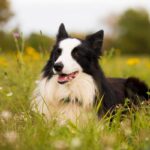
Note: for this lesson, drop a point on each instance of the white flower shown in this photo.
(126, 127)
(9, 94)
(128, 131)
(60, 145)
(6, 115)
(147, 139)
(76, 142)
(62, 122)
(1, 87)
(11, 136)
(101, 127)
(37, 81)
(124, 146)
(109, 139)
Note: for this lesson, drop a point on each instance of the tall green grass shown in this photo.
(21, 129)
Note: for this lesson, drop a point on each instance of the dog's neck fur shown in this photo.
(50, 92)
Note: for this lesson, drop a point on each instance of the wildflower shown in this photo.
(1, 88)
(124, 146)
(37, 81)
(3, 62)
(126, 127)
(9, 94)
(101, 127)
(30, 50)
(109, 140)
(60, 145)
(148, 65)
(16, 35)
(52, 133)
(108, 148)
(11, 136)
(133, 61)
(23, 116)
(147, 139)
(31, 53)
(6, 115)
(76, 142)
(62, 122)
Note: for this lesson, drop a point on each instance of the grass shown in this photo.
(21, 129)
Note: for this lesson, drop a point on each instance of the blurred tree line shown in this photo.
(130, 32)
(5, 12)
(38, 41)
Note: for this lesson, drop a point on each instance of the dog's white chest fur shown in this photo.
(49, 95)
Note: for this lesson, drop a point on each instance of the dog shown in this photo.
(72, 82)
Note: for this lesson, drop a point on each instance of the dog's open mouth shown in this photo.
(63, 78)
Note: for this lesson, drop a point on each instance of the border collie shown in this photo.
(72, 81)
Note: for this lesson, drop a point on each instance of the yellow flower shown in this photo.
(31, 53)
(148, 65)
(3, 62)
(133, 61)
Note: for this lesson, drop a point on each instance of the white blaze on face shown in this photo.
(70, 64)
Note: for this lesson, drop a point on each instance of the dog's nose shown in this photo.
(58, 66)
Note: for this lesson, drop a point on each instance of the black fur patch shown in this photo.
(135, 89)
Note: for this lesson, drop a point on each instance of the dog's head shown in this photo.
(70, 56)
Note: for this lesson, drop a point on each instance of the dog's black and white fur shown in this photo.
(72, 81)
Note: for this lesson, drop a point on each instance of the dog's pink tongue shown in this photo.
(63, 79)
(66, 78)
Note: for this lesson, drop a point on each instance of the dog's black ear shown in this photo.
(62, 33)
(95, 41)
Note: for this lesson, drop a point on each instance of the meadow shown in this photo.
(22, 129)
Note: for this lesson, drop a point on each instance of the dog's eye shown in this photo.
(59, 51)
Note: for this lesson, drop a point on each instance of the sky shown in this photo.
(77, 15)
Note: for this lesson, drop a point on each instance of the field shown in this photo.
(21, 129)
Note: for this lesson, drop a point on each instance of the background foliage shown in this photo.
(130, 33)
(5, 12)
